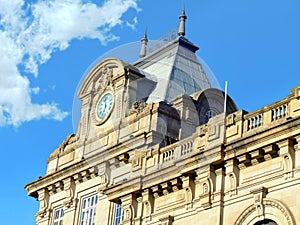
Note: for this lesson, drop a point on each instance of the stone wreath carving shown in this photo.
(66, 146)
(139, 106)
(105, 78)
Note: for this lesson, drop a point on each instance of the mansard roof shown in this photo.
(176, 70)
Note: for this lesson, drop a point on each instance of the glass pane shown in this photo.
(58, 216)
(119, 214)
(88, 210)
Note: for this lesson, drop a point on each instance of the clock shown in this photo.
(104, 106)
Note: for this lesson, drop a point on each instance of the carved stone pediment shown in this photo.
(101, 76)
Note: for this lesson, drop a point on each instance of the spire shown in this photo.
(144, 45)
(182, 17)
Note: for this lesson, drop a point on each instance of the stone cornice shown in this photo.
(165, 172)
(262, 137)
(50, 179)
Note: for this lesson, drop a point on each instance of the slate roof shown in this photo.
(175, 69)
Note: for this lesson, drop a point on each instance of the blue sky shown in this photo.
(46, 47)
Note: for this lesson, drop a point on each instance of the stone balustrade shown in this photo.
(176, 150)
(255, 121)
(267, 116)
(279, 112)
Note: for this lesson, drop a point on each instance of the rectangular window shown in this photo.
(88, 210)
(119, 214)
(58, 216)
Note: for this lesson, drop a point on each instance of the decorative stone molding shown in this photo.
(205, 196)
(42, 214)
(148, 204)
(244, 161)
(287, 152)
(203, 130)
(271, 151)
(166, 220)
(297, 151)
(284, 213)
(189, 187)
(273, 209)
(129, 205)
(54, 188)
(257, 156)
(65, 147)
(297, 143)
(77, 178)
(102, 75)
(147, 208)
(85, 175)
(205, 180)
(230, 120)
(259, 194)
(166, 187)
(71, 203)
(105, 78)
(69, 188)
(104, 174)
(296, 92)
(233, 184)
(156, 191)
(176, 184)
(136, 159)
(43, 198)
(139, 106)
(232, 176)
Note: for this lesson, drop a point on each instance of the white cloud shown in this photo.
(133, 24)
(31, 32)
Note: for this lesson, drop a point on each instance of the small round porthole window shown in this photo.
(209, 114)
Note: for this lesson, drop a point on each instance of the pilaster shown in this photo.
(148, 204)
(43, 215)
(189, 187)
(129, 204)
(70, 203)
(232, 177)
(287, 153)
(297, 151)
(205, 184)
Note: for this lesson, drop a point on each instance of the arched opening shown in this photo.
(274, 211)
(266, 222)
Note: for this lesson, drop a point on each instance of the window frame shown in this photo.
(118, 214)
(58, 220)
(88, 210)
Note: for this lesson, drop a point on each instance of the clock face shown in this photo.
(105, 106)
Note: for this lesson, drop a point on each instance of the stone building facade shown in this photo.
(155, 146)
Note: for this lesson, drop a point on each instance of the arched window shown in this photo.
(266, 222)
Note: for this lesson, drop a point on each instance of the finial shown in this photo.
(182, 17)
(144, 45)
